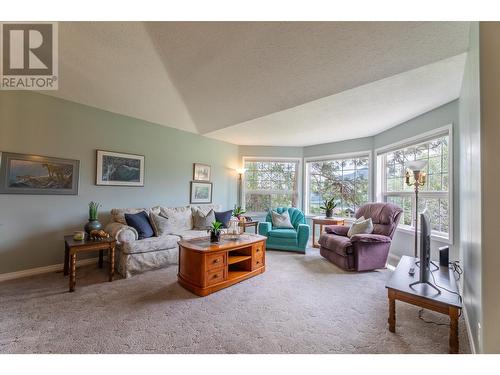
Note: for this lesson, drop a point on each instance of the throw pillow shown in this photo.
(140, 222)
(360, 226)
(281, 221)
(180, 218)
(160, 224)
(224, 217)
(203, 220)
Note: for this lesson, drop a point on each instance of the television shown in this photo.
(424, 263)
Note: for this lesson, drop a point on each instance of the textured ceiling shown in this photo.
(219, 77)
(363, 111)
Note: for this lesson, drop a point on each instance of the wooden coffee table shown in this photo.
(73, 247)
(321, 221)
(206, 267)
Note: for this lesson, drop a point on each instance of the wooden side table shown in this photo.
(321, 221)
(448, 302)
(248, 224)
(73, 247)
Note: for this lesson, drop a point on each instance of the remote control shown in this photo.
(411, 271)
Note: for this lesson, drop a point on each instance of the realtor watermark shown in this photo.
(29, 56)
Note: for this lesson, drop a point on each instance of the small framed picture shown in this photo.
(118, 169)
(201, 172)
(201, 192)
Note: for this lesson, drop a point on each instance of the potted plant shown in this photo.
(215, 231)
(93, 223)
(238, 212)
(328, 206)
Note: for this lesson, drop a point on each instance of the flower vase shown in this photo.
(93, 224)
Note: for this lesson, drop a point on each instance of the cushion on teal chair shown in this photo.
(283, 233)
(296, 216)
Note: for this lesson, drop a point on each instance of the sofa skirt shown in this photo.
(131, 264)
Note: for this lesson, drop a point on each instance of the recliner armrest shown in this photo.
(303, 234)
(340, 230)
(370, 238)
(264, 228)
(121, 232)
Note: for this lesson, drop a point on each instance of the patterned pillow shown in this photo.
(281, 221)
(202, 220)
(180, 218)
(160, 224)
(118, 214)
(360, 226)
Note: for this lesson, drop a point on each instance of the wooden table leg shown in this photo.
(314, 234)
(101, 258)
(111, 262)
(453, 330)
(66, 259)
(256, 225)
(72, 276)
(392, 311)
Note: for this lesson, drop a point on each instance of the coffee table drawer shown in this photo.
(215, 261)
(258, 249)
(258, 262)
(216, 276)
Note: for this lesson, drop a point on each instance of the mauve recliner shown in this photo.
(362, 252)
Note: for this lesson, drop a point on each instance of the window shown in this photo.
(271, 183)
(346, 179)
(434, 195)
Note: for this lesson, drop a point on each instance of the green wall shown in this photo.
(32, 226)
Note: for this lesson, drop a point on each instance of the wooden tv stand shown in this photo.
(206, 267)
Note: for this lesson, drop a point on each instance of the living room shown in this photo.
(188, 187)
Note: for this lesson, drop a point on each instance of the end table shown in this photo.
(248, 224)
(73, 247)
(321, 221)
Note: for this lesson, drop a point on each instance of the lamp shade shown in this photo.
(416, 165)
(240, 170)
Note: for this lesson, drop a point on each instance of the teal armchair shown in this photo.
(286, 239)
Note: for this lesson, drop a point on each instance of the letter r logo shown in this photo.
(27, 49)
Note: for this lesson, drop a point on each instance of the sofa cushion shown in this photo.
(180, 218)
(360, 226)
(150, 244)
(140, 222)
(118, 214)
(190, 234)
(160, 224)
(224, 217)
(283, 233)
(339, 244)
(202, 220)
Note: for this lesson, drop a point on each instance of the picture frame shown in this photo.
(119, 169)
(201, 172)
(38, 175)
(200, 192)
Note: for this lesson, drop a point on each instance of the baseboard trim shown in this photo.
(41, 270)
(469, 331)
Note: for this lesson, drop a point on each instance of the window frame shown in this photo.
(297, 160)
(381, 180)
(332, 157)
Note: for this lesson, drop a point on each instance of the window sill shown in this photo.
(434, 237)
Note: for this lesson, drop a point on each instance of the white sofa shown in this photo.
(135, 256)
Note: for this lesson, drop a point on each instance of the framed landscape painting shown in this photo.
(201, 172)
(119, 169)
(201, 192)
(34, 174)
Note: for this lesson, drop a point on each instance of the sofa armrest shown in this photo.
(264, 228)
(303, 235)
(121, 232)
(340, 230)
(370, 238)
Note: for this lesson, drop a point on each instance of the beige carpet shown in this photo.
(301, 304)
